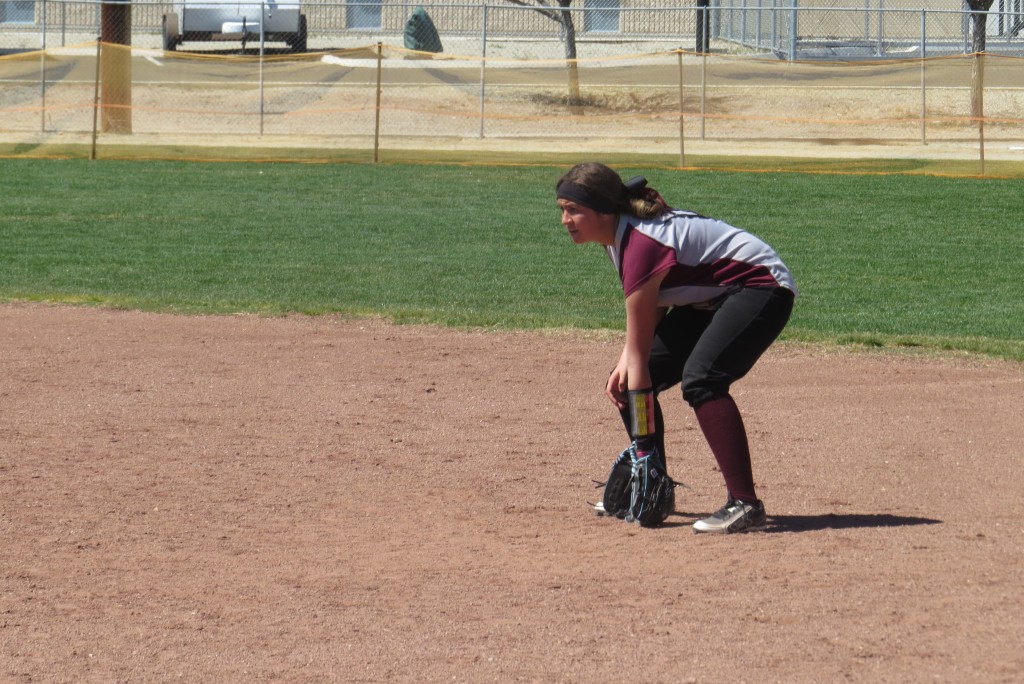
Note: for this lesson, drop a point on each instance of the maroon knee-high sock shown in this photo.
(722, 425)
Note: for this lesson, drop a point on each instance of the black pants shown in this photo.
(707, 351)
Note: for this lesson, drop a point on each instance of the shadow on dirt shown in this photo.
(812, 523)
(835, 521)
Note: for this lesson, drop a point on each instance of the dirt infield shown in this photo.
(313, 499)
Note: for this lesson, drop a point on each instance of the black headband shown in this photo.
(568, 190)
(573, 192)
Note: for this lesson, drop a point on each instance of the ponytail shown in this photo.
(642, 201)
(598, 187)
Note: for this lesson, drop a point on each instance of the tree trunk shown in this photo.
(563, 16)
(116, 65)
(979, 22)
(569, 27)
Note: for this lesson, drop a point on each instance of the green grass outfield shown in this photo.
(882, 260)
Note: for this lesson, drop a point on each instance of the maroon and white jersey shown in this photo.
(705, 258)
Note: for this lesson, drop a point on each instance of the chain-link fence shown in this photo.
(343, 76)
(841, 29)
(877, 29)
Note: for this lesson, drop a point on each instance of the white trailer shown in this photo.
(232, 20)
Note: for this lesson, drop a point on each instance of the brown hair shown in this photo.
(605, 182)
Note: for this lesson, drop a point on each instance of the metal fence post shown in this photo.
(775, 26)
(42, 70)
(924, 34)
(263, 21)
(703, 92)
(924, 103)
(483, 65)
(792, 31)
(759, 35)
(702, 25)
(682, 149)
(376, 122)
(966, 23)
(979, 62)
(743, 21)
(867, 20)
(879, 44)
(96, 96)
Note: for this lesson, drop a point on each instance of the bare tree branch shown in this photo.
(552, 9)
(559, 12)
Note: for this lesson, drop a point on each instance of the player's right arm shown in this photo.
(642, 317)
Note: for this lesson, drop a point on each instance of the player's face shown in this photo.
(586, 225)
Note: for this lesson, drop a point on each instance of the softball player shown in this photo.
(704, 300)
